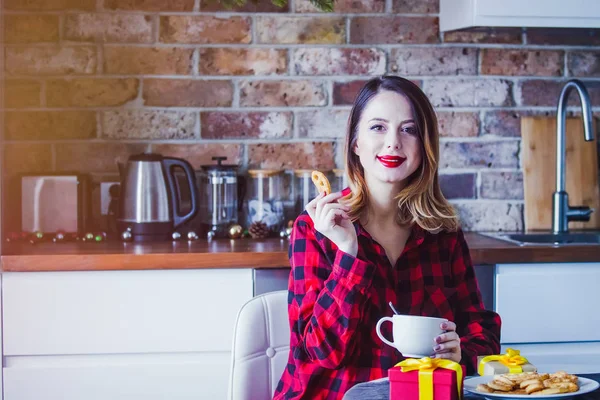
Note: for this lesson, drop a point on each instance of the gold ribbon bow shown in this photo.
(512, 360)
(426, 366)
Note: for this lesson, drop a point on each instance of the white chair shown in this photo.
(261, 344)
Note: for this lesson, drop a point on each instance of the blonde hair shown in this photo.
(421, 201)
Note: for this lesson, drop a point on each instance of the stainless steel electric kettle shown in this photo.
(150, 200)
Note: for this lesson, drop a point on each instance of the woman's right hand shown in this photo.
(332, 221)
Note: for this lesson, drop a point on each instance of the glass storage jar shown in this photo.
(264, 204)
(338, 180)
(304, 189)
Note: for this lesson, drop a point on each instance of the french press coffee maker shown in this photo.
(219, 204)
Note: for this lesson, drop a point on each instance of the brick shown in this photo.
(204, 29)
(187, 93)
(433, 61)
(584, 63)
(64, 60)
(503, 123)
(458, 124)
(148, 124)
(95, 157)
(328, 61)
(394, 30)
(502, 185)
(564, 36)
(316, 155)
(522, 62)
(327, 123)
(416, 6)
(491, 217)
(90, 92)
(485, 35)
(30, 28)
(459, 186)
(283, 93)
(229, 61)
(479, 154)
(49, 5)
(49, 125)
(23, 158)
(21, 93)
(199, 154)
(246, 125)
(290, 30)
(149, 5)
(345, 92)
(545, 92)
(469, 92)
(116, 28)
(344, 6)
(147, 60)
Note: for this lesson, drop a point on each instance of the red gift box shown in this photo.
(405, 385)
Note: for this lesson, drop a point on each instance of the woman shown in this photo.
(393, 238)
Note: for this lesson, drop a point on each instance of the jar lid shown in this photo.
(219, 166)
(263, 173)
(303, 172)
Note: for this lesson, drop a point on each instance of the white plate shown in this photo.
(585, 386)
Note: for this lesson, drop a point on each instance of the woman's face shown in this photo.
(388, 143)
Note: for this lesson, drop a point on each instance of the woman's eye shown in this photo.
(377, 128)
(411, 130)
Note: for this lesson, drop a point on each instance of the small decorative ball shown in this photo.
(89, 236)
(192, 235)
(127, 236)
(59, 237)
(176, 235)
(282, 234)
(210, 235)
(38, 235)
(99, 238)
(235, 231)
(288, 232)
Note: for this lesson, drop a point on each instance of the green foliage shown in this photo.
(323, 5)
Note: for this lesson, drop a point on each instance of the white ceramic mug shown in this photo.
(413, 334)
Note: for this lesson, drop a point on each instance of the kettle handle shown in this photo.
(169, 163)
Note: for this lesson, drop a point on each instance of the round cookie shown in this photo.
(321, 182)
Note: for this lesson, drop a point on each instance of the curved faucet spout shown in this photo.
(562, 212)
(561, 115)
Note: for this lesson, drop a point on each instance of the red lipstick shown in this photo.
(391, 161)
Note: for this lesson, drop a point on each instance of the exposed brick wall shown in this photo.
(89, 82)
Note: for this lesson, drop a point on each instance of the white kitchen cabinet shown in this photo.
(461, 14)
(120, 334)
(550, 313)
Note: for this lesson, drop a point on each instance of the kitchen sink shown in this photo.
(548, 238)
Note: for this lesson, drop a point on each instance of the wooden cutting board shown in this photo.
(538, 150)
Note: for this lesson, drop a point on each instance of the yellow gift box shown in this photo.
(510, 363)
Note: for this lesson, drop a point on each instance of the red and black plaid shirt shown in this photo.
(335, 301)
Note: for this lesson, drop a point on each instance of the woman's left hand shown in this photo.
(447, 345)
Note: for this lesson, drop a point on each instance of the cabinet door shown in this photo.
(541, 303)
(147, 377)
(116, 312)
(121, 334)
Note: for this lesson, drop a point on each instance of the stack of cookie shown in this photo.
(531, 383)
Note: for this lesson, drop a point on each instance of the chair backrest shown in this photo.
(261, 344)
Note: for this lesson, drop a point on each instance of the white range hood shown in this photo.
(461, 14)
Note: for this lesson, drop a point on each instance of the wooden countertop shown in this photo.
(241, 253)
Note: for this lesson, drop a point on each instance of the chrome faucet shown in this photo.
(562, 212)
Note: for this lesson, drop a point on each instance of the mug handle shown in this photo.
(378, 330)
